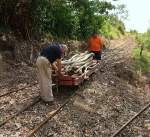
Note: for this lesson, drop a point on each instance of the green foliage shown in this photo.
(144, 39)
(147, 39)
(61, 18)
(133, 32)
(142, 62)
(112, 28)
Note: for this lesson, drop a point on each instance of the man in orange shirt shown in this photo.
(95, 44)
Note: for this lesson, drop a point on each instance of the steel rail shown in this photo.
(50, 115)
(35, 100)
(17, 90)
(129, 122)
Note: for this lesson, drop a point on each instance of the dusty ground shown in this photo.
(101, 106)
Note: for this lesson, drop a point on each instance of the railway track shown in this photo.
(106, 58)
(26, 106)
(13, 90)
(48, 113)
(36, 103)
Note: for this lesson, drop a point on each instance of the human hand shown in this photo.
(60, 74)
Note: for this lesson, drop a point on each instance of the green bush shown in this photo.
(112, 28)
(62, 18)
(142, 62)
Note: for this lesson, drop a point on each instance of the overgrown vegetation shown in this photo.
(112, 28)
(141, 53)
(74, 19)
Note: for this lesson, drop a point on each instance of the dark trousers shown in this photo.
(97, 55)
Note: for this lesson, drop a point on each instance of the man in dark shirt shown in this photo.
(49, 58)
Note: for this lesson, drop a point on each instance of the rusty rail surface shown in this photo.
(35, 100)
(128, 122)
(50, 115)
(17, 90)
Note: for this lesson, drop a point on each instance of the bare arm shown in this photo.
(57, 67)
(58, 61)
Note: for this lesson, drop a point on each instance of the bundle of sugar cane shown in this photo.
(78, 63)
